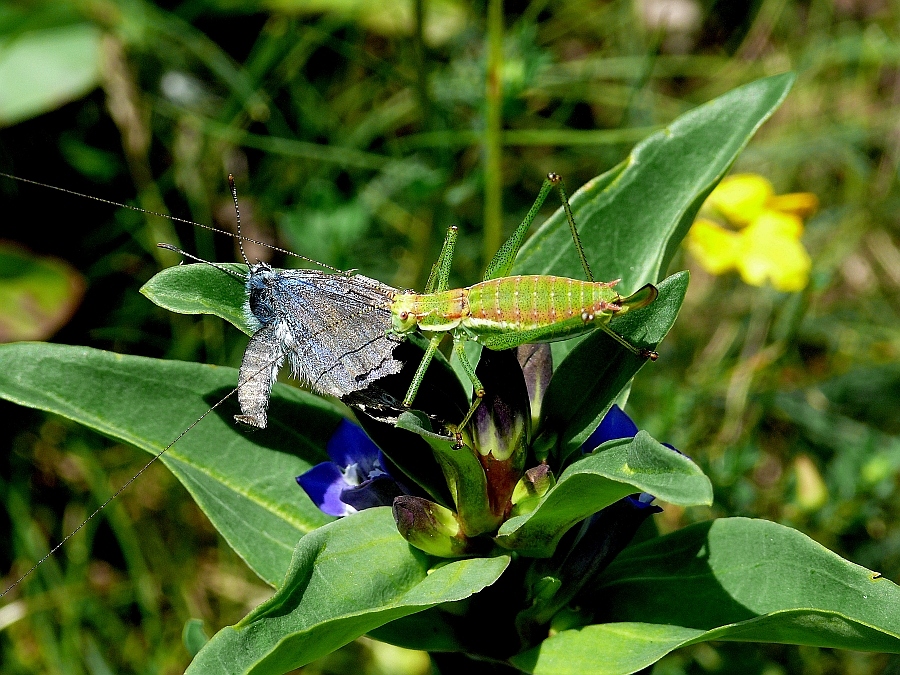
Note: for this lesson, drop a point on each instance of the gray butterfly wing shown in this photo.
(334, 328)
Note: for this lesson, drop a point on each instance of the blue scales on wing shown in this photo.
(332, 328)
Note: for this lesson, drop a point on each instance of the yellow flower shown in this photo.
(763, 242)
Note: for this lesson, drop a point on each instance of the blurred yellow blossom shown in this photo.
(762, 240)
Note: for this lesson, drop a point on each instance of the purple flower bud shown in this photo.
(537, 367)
(501, 427)
(502, 422)
(429, 527)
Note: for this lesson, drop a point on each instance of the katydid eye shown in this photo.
(404, 315)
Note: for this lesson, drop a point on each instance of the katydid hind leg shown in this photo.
(641, 352)
(501, 264)
(570, 218)
(637, 300)
(503, 259)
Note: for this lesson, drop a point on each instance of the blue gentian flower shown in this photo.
(617, 424)
(356, 478)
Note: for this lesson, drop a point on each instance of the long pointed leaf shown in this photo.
(244, 481)
(345, 579)
(733, 579)
(632, 218)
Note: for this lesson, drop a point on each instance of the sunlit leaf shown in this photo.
(38, 295)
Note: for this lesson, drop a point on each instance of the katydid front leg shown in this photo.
(459, 340)
(438, 280)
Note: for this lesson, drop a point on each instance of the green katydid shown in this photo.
(505, 311)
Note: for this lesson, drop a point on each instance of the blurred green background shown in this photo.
(357, 132)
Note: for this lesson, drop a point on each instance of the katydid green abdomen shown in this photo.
(510, 311)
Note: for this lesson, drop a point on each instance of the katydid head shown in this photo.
(404, 313)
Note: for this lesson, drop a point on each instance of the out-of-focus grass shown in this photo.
(357, 144)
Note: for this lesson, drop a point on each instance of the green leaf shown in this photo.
(202, 289)
(42, 70)
(345, 579)
(428, 631)
(244, 481)
(587, 382)
(733, 579)
(193, 636)
(605, 649)
(617, 469)
(632, 218)
(734, 569)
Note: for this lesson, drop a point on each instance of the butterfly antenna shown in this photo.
(174, 219)
(237, 215)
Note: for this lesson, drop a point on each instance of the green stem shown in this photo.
(421, 63)
(493, 179)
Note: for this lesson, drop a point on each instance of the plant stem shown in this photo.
(493, 179)
(421, 63)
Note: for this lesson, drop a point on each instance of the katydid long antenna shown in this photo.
(219, 267)
(124, 487)
(176, 219)
(240, 238)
